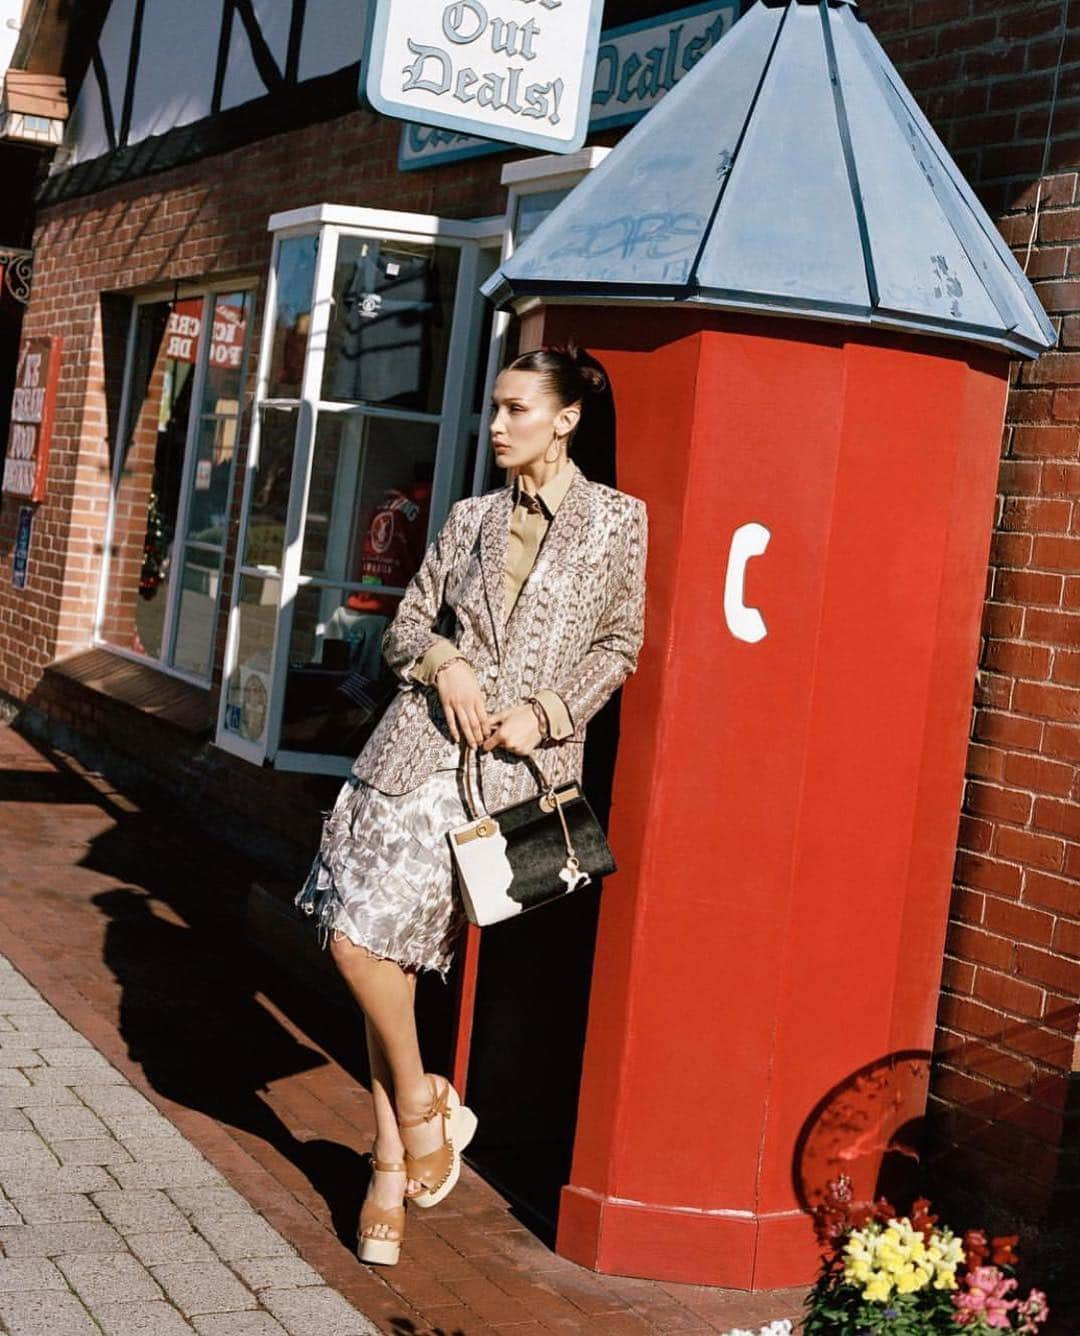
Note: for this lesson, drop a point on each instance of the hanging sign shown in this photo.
(21, 556)
(516, 70)
(33, 405)
(636, 64)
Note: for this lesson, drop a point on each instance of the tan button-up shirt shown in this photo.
(532, 513)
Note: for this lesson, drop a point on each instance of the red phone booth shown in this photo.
(790, 767)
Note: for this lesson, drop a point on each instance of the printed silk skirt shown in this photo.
(383, 876)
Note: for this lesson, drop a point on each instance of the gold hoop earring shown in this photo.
(557, 441)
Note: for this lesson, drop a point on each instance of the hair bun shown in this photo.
(593, 378)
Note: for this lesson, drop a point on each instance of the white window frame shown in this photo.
(208, 290)
(456, 422)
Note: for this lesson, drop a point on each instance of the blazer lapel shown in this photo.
(494, 535)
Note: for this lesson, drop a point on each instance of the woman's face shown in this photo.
(526, 417)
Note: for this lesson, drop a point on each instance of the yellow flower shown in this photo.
(908, 1280)
(878, 1289)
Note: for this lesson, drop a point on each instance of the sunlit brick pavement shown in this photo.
(181, 1128)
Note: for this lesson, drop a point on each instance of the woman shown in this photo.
(545, 579)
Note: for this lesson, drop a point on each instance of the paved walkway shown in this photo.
(111, 1221)
(181, 1127)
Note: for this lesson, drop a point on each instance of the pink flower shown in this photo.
(1034, 1311)
(985, 1298)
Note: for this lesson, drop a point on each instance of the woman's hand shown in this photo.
(516, 730)
(463, 703)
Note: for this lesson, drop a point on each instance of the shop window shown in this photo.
(364, 432)
(172, 478)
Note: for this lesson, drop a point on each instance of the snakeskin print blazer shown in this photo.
(577, 626)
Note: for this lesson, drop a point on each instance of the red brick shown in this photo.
(1018, 923)
(986, 762)
(1028, 587)
(1046, 1046)
(1002, 621)
(1063, 741)
(1067, 936)
(1007, 730)
(979, 947)
(970, 1016)
(974, 835)
(1062, 818)
(1053, 369)
(1062, 1014)
(1061, 479)
(1031, 406)
(1058, 894)
(1018, 659)
(1066, 667)
(958, 976)
(1052, 628)
(1061, 554)
(1037, 773)
(1005, 992)
(1036, 514)
(1046, 969)
(1034, 850)
(986, 874)
(999, 1066)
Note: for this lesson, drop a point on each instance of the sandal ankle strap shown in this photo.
(437, 1105)
(386, 1166)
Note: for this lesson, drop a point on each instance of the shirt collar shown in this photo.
(553, 491)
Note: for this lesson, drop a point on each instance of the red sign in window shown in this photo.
(226, 337)
(33, 406)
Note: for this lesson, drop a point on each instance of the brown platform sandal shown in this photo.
(384, 1250)
(439, 1169)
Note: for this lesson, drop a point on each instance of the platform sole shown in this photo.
(386, 1252)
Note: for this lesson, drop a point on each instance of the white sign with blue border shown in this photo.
(636, 65)
(517, 70)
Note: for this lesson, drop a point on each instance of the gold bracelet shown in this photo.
(541, 716)
(457, 658)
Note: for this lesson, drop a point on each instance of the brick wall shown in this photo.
(1004, 1106)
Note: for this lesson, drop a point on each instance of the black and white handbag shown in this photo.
(527, 854)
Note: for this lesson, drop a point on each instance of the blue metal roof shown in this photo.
(790, 171)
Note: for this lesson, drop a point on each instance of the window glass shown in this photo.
(532, 209)
(265, 538)
(173, 486)
(199, 590)
(292, 315)
(369, 503)
(224, 362)
(248, 688)
(147, 495)
(390, 323)
(337, 682)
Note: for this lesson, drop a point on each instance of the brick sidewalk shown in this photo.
(129, 922)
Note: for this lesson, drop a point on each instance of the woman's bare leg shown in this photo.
(387, 1185)
(387, 996)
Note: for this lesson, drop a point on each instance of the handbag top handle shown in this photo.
(478, 809)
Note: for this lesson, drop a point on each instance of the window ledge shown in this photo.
(141, 686)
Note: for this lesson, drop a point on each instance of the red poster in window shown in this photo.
(226, 338)
(33, 406)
